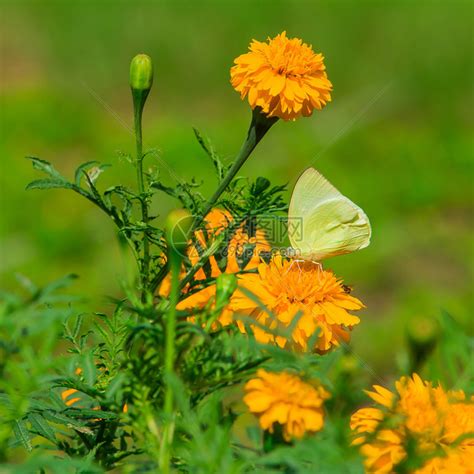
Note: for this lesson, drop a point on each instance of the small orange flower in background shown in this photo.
(216, 222)
(287, 288)
(284, 77)
(285, 399)
(438, 422)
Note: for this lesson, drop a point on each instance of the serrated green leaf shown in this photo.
(41, 426)
(52, 464)
(88, 413)
(5, 401)
(89, 370)
(103, 333)
(114, 386)
(77, 326)
(45, 167)
(60, 418)
(207, 147)
(21, 433)
(60, 283)
(49, 184)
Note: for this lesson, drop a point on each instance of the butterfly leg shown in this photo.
(298, 262)
(292, 262)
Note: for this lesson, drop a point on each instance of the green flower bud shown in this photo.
(349, 364)
(422, 335)
(141, 79)
(226, 284)
(422, 330)
(261, 185)
(178, 223)
(141, 73)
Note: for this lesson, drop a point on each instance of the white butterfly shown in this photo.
(331, 224)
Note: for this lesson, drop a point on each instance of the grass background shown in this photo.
(395, 139)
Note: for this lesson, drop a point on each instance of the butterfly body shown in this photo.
(331, 224)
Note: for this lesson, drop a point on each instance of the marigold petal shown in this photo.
(283, 76)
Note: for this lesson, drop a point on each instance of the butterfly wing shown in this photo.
(322, 222)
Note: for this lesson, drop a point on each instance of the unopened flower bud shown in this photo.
(226, 284)
(141, 79)
(422, 330)
(178, 224)
(422, 334)
(141, 73)
(261, 185)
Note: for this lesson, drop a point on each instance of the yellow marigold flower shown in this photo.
(216, 222)
(284, 77)
(457, 461)
(289, 288)
(438, 421)
(285, 399)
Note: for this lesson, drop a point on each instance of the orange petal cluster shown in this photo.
(216, 222)
(284, 77)
(309, 306)
(285, 399)
(438, 422)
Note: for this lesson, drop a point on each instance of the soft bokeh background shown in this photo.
(395, 139)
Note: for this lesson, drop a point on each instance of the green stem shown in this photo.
(145, 270)
(259, 126)
(171, 331)
(170, 355)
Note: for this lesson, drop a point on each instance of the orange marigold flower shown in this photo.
(438, 421)
(240, 243)
(284, 77)
(292, 289)
(285, 399)
(242, 251)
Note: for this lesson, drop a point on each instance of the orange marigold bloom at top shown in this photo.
(436, 420)
(284, 77)
(285, 399)
(292, 289)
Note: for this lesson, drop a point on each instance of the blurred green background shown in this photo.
(395, 139)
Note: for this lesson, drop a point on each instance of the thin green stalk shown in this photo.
(171, 332)
(259, 126)
(141, 80)
(145, 268)
(170, 355)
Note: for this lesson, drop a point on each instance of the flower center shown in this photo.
(300, 283)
